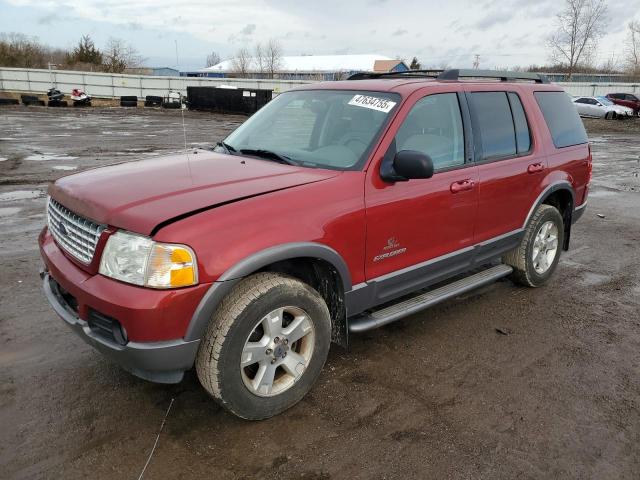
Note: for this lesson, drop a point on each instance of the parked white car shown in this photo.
(600, 107)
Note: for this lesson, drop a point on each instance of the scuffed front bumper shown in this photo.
(140, 329)
(162, 362)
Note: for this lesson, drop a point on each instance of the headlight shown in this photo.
(139, 260)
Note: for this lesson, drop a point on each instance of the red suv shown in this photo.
(337, 208)
(626, 100)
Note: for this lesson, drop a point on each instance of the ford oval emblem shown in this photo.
(63, 229)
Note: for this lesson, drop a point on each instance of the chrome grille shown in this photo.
(75, 234)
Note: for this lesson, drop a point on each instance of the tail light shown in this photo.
(589, 166)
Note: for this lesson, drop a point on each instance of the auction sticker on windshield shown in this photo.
(374, 103)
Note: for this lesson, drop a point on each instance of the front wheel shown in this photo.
(537, 256)
(265, 347)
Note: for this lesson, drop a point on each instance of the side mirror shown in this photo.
(410, 164)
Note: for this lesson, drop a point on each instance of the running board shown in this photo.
(397, 311)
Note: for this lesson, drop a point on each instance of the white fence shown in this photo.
(599, 89)
(111, 85)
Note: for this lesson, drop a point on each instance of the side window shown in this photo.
(562, 118)
(523, 136)
(493, 123)
(582, 100)
(434, 127)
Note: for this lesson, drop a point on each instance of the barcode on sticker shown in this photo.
(374, 103)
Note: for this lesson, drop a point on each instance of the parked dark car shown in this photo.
(627, 100)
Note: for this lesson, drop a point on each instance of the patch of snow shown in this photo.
(20, 195)
(49, 156)
(64, 167)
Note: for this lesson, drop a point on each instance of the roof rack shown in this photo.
(455, 74)
(504, 76)
(407, 73)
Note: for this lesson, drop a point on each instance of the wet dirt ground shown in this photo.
(441, 394)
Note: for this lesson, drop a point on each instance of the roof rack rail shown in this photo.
(504, 76)
(406, 73)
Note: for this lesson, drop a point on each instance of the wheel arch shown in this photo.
(560, 195)
(316, 264)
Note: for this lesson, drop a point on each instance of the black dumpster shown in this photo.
(227, 100)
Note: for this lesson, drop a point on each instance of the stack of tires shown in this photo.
(29, 100)
(152, 101)
(129, 101)
(9, 101)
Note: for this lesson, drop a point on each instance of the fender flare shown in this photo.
(554, 187)
(221, 287)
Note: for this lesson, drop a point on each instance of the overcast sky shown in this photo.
(503, 32)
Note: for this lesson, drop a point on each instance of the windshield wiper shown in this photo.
(228, 148)
(269, 155)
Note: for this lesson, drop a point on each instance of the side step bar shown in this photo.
(397, 311)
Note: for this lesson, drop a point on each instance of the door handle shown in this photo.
(462, 185)
(535, 167)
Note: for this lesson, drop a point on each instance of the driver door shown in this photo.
(421, 230)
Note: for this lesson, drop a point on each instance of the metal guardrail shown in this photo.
(112, 85)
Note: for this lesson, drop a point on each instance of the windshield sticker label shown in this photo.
(379, 104)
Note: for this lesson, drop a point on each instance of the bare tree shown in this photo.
(18, 50)
(260, 57)
(272, 57)
(633, 47)
(241, 62)
(579, 28)
(119, 56)
(213, 59)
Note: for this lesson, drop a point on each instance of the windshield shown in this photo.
(604, 101)
(316, 128)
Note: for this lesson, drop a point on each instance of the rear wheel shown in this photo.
(537, 256)
(265, 346)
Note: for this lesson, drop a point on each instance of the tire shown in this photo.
(152, 101)
(525, 270)
(608, 116)
(241, 319)
(128, 103)
(129, 98)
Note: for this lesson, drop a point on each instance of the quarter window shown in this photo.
(434, 127)
(523, 136)
(562, 118)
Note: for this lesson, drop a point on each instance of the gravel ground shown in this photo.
(441, 394)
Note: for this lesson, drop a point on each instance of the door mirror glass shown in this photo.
(410, 164)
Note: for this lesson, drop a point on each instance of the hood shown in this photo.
(138, 196)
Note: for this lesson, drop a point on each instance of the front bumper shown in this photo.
(161, 362)
(154, 322)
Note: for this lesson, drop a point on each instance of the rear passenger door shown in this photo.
(510, 164)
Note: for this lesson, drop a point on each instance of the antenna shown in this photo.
(184, 128)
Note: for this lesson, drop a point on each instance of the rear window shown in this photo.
(562, 119)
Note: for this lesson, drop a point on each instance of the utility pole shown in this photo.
(476, 62)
